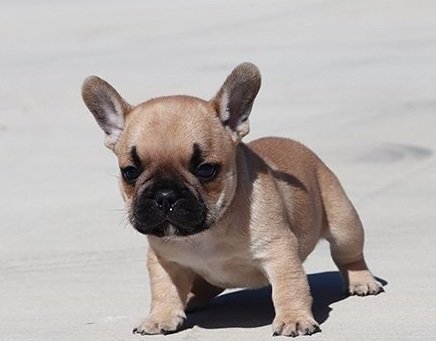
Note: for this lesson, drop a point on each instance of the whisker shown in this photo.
(125, 219)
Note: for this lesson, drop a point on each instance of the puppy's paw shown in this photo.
(160, 323)
(294, 325)
(367, 285)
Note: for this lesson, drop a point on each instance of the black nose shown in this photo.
(165, 199)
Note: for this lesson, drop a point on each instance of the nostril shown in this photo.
(165, 198)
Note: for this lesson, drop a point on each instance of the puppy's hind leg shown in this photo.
(344, 232)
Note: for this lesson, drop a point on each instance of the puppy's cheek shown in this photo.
(220, 203)
(225, 196)
(127, 191)
(128, 203)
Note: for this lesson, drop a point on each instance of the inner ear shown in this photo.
(234, 100)
(107, 106)
(240, 104)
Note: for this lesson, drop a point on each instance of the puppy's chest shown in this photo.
(223, 263)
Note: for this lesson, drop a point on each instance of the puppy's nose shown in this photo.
(165, 199)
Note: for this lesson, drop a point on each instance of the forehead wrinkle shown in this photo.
(167, 128)
(196, 157)
(163, 151)
(135, 157)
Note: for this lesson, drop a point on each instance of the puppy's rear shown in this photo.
(306, 182)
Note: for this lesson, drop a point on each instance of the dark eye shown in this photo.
(207, 171)
(130, 173)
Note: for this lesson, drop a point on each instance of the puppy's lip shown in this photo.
(172, 222)
(181, 228)
(147, 229)
(159, 230)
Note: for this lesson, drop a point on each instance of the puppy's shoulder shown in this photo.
(288, 161)
(282, 152)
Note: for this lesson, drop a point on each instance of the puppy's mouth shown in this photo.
(169, 228)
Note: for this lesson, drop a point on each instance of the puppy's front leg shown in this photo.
(290, 289)
(170, 285)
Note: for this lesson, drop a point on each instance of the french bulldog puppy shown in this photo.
(219, 213)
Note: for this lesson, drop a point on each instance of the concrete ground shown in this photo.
(353, 80)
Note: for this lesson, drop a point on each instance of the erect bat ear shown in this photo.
(234, 100)
(107, 106)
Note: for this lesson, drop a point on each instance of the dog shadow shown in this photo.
(253, 308)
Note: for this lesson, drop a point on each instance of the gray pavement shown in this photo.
(353, 80)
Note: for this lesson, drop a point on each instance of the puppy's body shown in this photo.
(222, 214)
(273, 174)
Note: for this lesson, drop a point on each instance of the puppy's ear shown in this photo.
(234, 100)
(107, 106)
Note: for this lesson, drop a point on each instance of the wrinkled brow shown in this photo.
(135, 157)
(197, 156)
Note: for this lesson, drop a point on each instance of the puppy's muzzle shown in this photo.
(168, 208)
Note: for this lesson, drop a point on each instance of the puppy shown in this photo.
(219, 213)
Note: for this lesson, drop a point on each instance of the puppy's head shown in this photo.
(176, 154)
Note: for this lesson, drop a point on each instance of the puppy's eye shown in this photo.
(130, 173)
(207, 171)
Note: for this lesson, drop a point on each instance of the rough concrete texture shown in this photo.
(353, 80)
